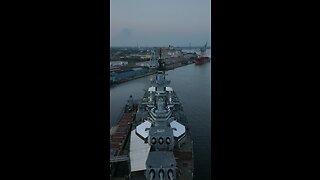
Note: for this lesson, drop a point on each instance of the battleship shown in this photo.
(155, 142)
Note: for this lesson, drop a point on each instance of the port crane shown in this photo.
(204, 49)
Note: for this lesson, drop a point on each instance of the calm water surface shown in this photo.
(192, 84)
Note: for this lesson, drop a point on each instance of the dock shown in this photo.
(119, 133)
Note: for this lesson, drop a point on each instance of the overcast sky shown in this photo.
(160, 22)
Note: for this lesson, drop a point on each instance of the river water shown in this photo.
(192, 84)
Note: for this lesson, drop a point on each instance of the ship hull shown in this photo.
(201, 60)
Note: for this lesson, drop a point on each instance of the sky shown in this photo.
(160, 22)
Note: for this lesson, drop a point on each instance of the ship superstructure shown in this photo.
(162, 125)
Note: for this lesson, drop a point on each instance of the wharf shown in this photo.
(168, 67)
(120, 132)
(119, 135)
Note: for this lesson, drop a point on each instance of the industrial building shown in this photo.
(119, 75)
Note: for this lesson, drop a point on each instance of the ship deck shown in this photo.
(184, 159)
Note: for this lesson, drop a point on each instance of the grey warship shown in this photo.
(161, 147)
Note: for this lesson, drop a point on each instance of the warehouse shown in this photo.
(116, 76)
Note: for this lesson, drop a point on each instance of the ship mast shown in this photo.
(161, 64)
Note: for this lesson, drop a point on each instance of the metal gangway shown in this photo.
(121, 158)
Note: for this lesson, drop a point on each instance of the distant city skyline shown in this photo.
(160, 23)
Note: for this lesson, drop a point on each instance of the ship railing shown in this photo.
(121, 158)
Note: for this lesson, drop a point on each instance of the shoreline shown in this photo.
(170, 67)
